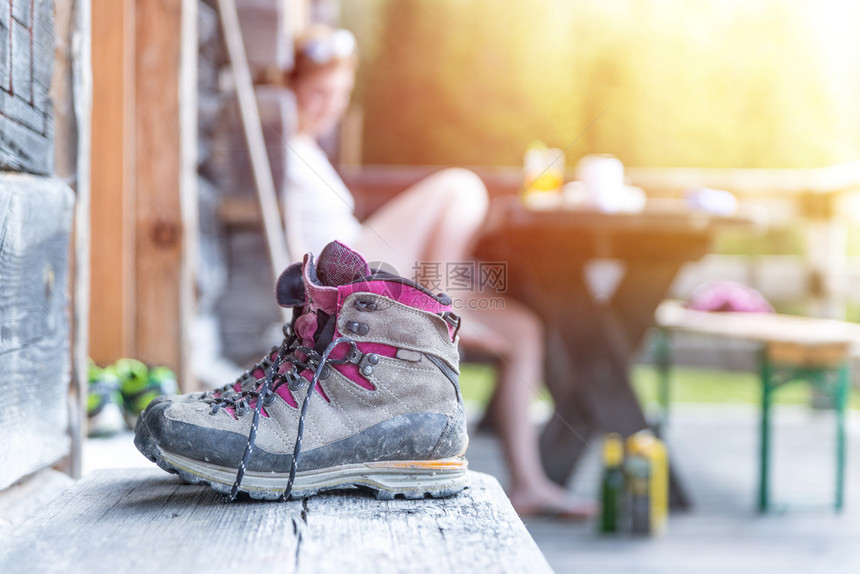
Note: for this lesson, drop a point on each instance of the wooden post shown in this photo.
(112, 237)
(72, 100)
(162, 279)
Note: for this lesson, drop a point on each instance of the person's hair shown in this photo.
(321, 48)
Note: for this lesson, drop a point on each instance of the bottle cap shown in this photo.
(640, 442)
(613, 450)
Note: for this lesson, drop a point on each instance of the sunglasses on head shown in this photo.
(340, 44)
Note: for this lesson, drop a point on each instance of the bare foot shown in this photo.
(551, 502)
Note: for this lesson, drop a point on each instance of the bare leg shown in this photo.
(434, 220)
(531, 491)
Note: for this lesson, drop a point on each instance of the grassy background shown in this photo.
(689, 385)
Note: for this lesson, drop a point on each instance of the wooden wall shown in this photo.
(144, 187)
(26, 63)
(244, 305)
(36, 215)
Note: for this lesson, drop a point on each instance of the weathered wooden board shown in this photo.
(161, 237)
(27, 497)
(250, 319)
(268, 43)
(111, 331)
(230, 164)
(147, 521)
(26, 63)
(35, 223)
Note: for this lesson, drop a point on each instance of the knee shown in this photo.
(463, 186)
(522, 327)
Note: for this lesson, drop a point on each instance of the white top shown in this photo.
(322, 203)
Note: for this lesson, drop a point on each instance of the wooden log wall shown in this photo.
(35, 226)
(243, 300)
(26, 63)
(37, 208)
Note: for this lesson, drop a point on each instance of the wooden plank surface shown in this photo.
(27, 497)
(35, 225)
(144, 520)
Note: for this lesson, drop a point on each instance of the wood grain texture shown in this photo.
(111, 255)
(27, 497)
(81, 57)
(5, 53)
(147, 521)
(72, 104)
(35, 224)
(159, 241)
(26, 62)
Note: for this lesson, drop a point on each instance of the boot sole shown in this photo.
(387, 479)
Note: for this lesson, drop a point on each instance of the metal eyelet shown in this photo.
(296, 383)
(242, 408)
(365, 304)
(358, 328)
(365, 366)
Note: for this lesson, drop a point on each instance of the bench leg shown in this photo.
(764, 451)
(842, 385)
(663, 360)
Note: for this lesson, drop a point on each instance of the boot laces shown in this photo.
(229, 390)
(299, 358)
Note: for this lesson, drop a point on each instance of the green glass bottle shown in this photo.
(612, 483)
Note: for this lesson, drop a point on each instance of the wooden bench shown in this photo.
(793, 349)
(144, 520)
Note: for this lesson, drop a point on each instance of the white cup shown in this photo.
(603, 178)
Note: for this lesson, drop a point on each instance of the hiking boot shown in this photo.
(368, 368)
(104, 403)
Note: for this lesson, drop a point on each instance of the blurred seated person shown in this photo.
(435, 220)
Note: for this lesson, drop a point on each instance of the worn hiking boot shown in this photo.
(140, 385)
(363, 392)
(247, 381)
(104, 403)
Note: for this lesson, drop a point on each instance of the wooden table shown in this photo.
(591, 343)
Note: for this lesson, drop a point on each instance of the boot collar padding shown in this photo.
(319, 296)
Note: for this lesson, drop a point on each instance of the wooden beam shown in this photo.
(72, 99)
(112, 254)
(161, 241)
(35, 227)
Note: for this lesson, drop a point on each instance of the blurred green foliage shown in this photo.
(689, 385)
(707, 83)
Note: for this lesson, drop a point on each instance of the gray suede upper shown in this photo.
(414, 411)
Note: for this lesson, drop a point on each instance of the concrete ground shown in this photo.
(715, 450)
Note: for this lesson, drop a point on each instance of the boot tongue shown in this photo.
(338, 265)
